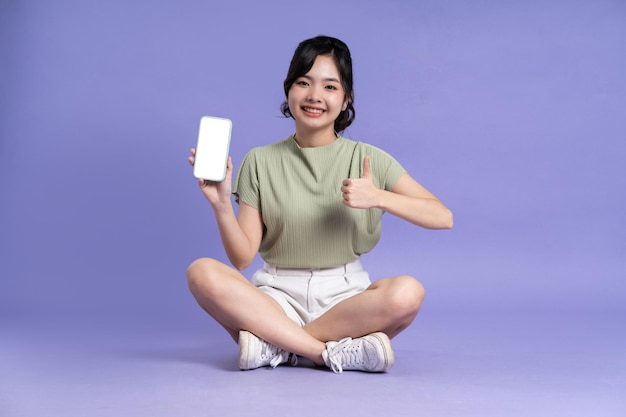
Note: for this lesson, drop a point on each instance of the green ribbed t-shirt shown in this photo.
(298, 192)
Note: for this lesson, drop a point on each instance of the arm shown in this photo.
(408, 200)
(240, 236)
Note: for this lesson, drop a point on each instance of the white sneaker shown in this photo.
(255, 353)
(371, 353)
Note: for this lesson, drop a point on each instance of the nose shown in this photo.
(313, 95)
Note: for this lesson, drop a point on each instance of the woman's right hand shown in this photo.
(218, 193)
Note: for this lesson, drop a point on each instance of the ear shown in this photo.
(346, 102)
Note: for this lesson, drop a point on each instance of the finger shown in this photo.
(229, 169)
(366, 167)
(193, 151)
(191, 160)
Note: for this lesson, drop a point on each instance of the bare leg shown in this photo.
(388, 305)
(237, 304)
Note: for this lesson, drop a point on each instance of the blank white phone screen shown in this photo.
(212, 148)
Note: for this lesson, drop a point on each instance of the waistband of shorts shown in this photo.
(350, 267)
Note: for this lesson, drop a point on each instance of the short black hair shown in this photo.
(302, 62)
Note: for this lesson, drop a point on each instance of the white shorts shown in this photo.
(306, 294)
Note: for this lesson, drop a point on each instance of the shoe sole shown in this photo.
(244, 350)
(389, 358)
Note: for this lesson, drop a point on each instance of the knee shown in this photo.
(406, 296)
(201, 275)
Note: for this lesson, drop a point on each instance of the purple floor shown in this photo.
(445, 366)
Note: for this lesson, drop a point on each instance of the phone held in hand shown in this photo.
(212, 148)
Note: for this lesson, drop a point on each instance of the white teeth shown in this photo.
(310, 110)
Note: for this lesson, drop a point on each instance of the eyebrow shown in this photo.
(308, 77)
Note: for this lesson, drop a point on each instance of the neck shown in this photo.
(315, 138)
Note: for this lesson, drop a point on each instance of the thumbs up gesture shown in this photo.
(360, 192)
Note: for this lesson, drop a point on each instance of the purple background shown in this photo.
(512, 112)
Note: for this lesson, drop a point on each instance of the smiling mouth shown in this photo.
(312, 110)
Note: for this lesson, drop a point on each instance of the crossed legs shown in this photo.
(388, 305)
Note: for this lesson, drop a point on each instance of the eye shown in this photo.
(331, 87)
(301, 83)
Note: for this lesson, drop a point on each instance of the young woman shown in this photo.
(311, 204)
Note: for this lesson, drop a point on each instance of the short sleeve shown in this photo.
(385, 168)
(246, 186)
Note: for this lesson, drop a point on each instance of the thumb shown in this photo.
(366, 167)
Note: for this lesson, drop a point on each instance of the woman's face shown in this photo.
(316, 98)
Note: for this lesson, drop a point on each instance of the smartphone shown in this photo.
(212, 148)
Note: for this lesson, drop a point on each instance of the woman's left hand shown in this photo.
(360, 192)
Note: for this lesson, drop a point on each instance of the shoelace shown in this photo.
(276, 355)
(343, 353)
(283, 356)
